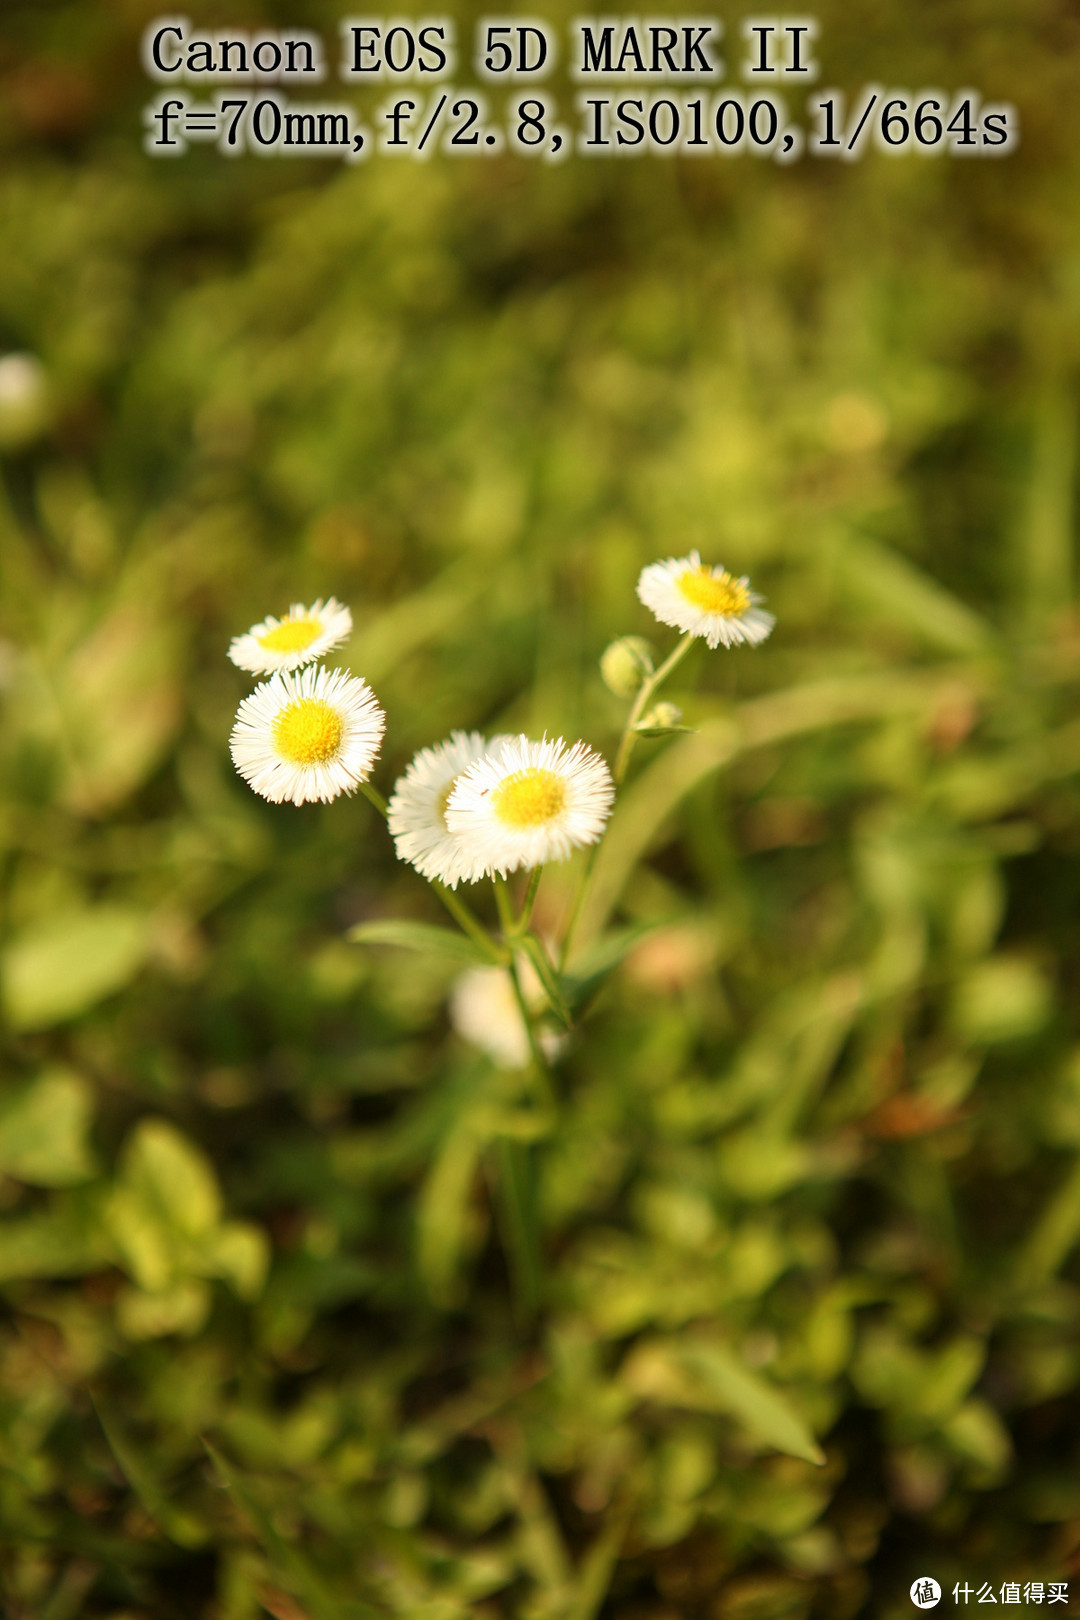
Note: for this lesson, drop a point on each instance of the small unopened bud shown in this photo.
(659, 721)
(625, 664)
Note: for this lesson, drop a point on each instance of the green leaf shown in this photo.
(517, 1206)
(172, 1180)
(645, 805)
(924, 1387)
(976, 1431)
(1054, 1234)
(947, 1377)
(241, 1254)
(63, 965)
(898, 592)
(291, 1565)
(661, 721)
(595, 966)
(67, 1240)
(165, 1215)
(442, 1215)
(553, 989)
(412, 936)
(182, 1309)
(43, 1129)
(118, 700)
(1004, 998)
(164, 1204)
(180, 1527)
(708, 1377)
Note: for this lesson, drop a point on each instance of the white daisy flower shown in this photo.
(417, 809)
(307, 736)
(709, 602)
(532, 803)
(307, 634)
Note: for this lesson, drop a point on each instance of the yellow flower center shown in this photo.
(714, 593)
(444, 798)
(308, 732)
(529, 798)
(294, 635)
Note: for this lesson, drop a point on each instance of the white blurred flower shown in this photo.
(307, 736)
(485, 1012)
(417, 809)
(24, 399)
(306, 634)
(22, 380)
(531, 803)
(703, 601)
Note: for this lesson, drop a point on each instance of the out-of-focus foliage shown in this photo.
(806, 1319)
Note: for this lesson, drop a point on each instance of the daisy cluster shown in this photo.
(468, 807)
(306, 733)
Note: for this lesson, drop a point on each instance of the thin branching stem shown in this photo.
(513, 1170)
(578, 907)
(525, 915)
(461, 913)
(648, 691)
(505, 906)
(469, 922)
(540, 1062)
(375, 797)
(509, 928)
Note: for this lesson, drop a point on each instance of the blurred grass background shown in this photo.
(818, 1164)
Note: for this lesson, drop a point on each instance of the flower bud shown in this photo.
(665, 717)
(625, 664)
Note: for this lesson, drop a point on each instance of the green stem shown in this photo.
(514, 1173)
(469, 923)
(506, 909)
(375, 797)
(648, 691)
(540, 1062)
(529, 901)
(460, 912)
(578, 907)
